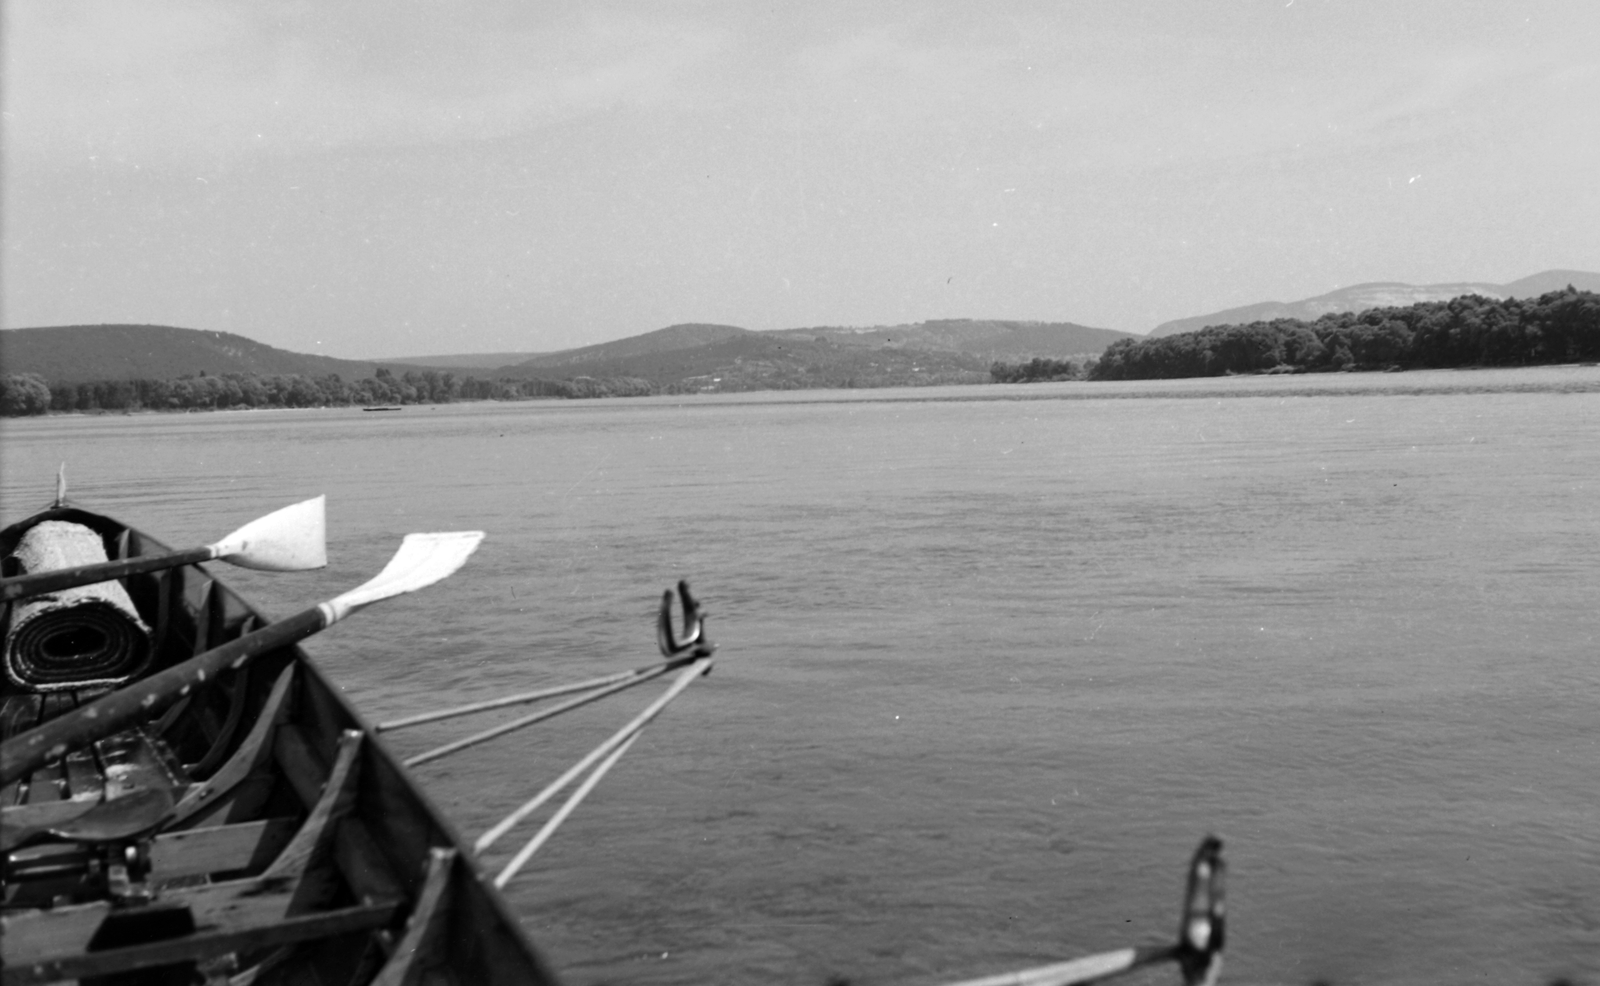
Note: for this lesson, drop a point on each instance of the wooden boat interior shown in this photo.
(256, 832)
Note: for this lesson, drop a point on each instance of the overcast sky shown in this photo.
(391, 179)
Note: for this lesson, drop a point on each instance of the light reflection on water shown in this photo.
(989, 667)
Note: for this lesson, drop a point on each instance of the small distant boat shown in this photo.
(382, 407)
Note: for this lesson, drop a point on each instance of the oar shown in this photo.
(289, 540)
(1198, 950)
(422, 560)
(105, 821)
(700, 668)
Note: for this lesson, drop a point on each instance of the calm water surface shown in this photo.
(993, 659)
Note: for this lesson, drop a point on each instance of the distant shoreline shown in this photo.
(1555, 378)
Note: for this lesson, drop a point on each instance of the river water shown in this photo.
(993, 659)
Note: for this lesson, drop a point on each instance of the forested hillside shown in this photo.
(80, 353)
(1381, 294)
(1559, 327)
(27, 393)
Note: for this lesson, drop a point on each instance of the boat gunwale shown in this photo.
(315, 678)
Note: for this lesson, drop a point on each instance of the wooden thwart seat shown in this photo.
(287, 903)
(228, 918)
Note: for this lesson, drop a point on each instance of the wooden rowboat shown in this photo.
(257, 831)
(222, 815)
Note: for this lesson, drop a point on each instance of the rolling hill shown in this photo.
(744, 360)
(1381, 294)
(986, 338)
(458, 361)
(83, 353)
(687, 357)
(697, 356)
(672, 339)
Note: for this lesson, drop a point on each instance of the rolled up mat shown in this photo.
(82, 637)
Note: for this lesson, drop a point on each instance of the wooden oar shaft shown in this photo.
(38, 583)
(523, 698)
(422, 560)
(684, 679)
(526, 853)
(636, 678)
(115, 712)
(1089, 969)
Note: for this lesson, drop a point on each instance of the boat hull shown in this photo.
(296, 847)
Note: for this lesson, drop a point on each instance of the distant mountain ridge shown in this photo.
(1381, 294)
(991, 338)
(686, 357)
(701, 356)
(673, 338)
(984, 338)
(460, 361)
(83, 353)
(697, 356)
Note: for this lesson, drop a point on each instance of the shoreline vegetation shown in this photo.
(1468, 331)
(28, 393)
(1561, 327)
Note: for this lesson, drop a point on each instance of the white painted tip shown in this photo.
(293, 539)
(422, 560)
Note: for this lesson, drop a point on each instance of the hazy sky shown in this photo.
(388, 179)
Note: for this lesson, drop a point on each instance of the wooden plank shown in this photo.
(303, 767)
(48, 813)
(274, 959)
(238, 692)
(202, 609)
(400, 825)
(233, 904)
(163, 626)
(32, 934)
(19, 712)
(423, 943)
(250, 755)
(338, 796)
(240, 937)
(219, 848)
(243, 802)
(363, 865)
(216, 606)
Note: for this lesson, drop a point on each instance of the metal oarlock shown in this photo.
(693, 642)
(1201, 934)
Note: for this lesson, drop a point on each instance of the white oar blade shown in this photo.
(422, 560)
(293, 539)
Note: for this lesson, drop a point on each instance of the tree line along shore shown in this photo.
(1559, 327)
(27, 393)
